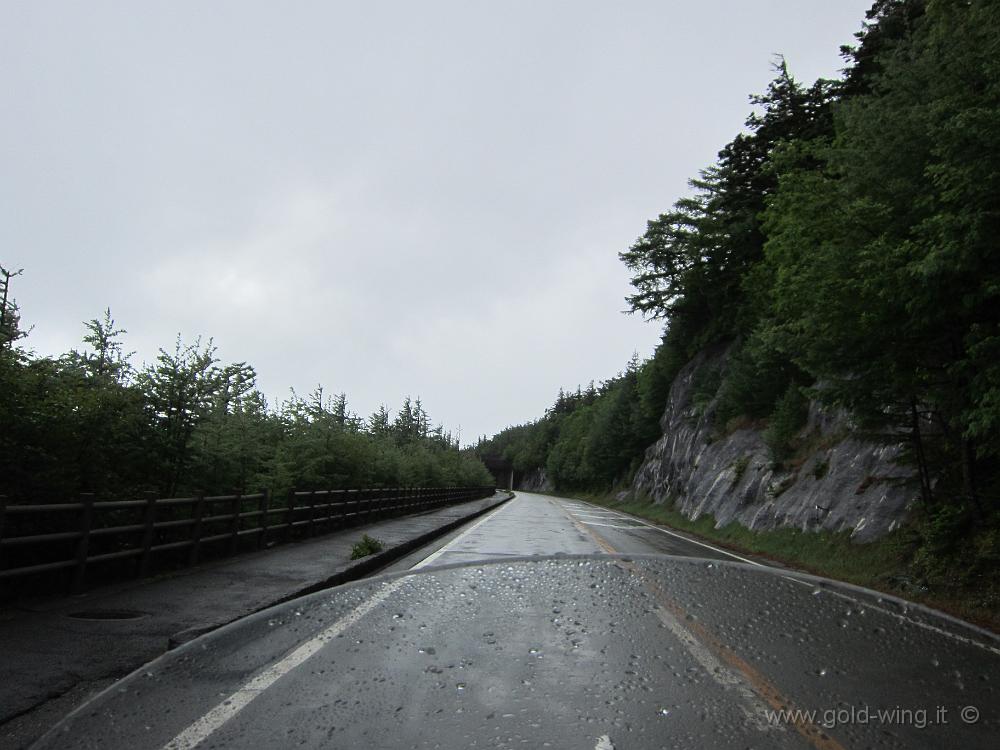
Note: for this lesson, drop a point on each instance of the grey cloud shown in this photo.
(388, 198)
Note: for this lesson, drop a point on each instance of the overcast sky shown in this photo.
(387, 198)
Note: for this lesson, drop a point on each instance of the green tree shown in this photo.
(180, 388)
(885, 280)
(689, 265)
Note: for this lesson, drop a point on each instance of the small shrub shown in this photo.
(786, 420)
(776, 490)
(742, 422)
(945, 526)
(756, 377)
(820, 470)
(367, 546)
(705, 384)
(867, 482)
(739, 468)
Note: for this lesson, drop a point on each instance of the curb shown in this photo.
(355, 570)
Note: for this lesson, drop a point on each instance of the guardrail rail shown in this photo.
(41, 538)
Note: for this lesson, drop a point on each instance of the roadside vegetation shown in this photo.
(367, 546)
(844, 248)
(90, 421)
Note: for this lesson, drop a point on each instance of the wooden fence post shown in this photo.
(311, 527)
(328, 518)
(263, 506)
(3, 515)
(83, 544)
(199, 515)
(365, 499)
(290, 515)
(148, 532)
(234, 530)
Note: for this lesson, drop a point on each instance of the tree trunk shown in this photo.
(969, 488)
(926, 492)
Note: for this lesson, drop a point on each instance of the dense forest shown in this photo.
(845, 247)
(89, 421)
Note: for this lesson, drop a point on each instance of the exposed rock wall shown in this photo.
(844, 484)
(535, 481)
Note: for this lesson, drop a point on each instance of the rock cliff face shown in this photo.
(844, 483)
(535, 481)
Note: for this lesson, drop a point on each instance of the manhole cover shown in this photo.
(107, 614)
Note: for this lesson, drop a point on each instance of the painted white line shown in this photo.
(686, 539)
(755, 710)
(435, 555)
(609, 525)
(208, 724)
(904, 618)
(211, 722)
(604, 743)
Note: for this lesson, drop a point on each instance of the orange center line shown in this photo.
(763, 687)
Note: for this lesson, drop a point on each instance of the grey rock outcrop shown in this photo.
(844, 483)
(535, 481)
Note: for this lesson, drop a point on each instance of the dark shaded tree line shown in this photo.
(89, 421)
(592, 438)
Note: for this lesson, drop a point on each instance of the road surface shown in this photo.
(523, 631)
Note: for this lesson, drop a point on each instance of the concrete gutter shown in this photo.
(355, 570)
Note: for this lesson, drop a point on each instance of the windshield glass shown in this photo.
(565, 651)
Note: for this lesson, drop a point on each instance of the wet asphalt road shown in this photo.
(491, 642)
(534, 524)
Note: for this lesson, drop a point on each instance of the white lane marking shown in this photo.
(435, 555)
(609, 525)
(604, 743)
(199, 730)
(904, 618)
(202, 728)
(679, 536)
(860, 602)
(755, 710)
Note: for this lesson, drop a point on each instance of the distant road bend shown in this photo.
(525, 630)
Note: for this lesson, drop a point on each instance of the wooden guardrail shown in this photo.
(36, 539)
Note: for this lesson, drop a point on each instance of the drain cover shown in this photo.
(107, 614)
